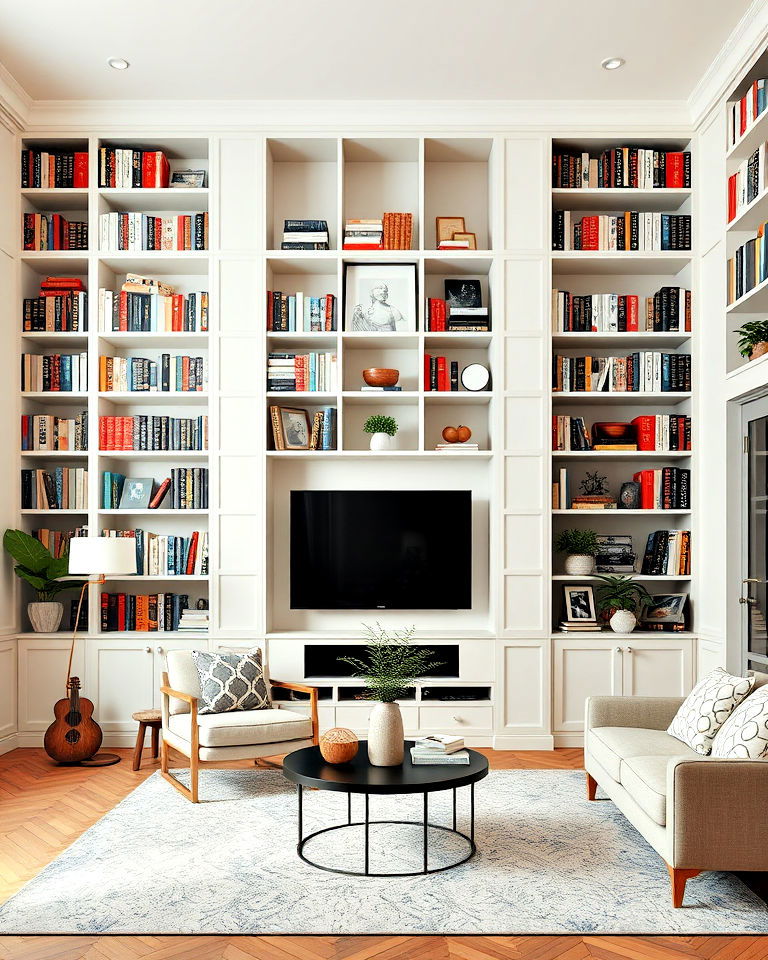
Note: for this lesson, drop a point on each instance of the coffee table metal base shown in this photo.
(367, 822)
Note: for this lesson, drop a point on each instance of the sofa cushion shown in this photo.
(244, 727)
(231, 681)
(611, 745)
(744, 734)
(182, 676)
(645, 779)
(707, 707)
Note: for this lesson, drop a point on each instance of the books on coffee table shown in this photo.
(426, 758)
(440, 742)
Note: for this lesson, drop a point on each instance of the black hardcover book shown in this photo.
(305, 226)
(634, 230)
(454, 374)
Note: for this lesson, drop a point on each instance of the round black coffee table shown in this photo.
(306, 768)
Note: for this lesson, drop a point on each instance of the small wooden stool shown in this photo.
(152, 719)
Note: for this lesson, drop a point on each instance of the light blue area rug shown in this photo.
(548, 861)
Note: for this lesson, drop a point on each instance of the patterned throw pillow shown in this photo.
(745, 733)
(231, 681)
(707, 707)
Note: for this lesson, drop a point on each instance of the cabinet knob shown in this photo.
(456, 719)
(619, 650)
(158, 649)
(629, 650)
(148, 649)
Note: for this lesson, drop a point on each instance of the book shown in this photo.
(644, 371)
(573, 626)
(52, 231)
(295, 312)
(143, 231)
(153, 432)
(57, 488)
(169, 373)
(47, 432)
(51, 168)
(397, 231)
(144, 612)
(171, 555)
(439, 759)
(301, 372)
(439, 742)
(642, 168)
(126, 168)
(150, 307)
(54, 373)
(632, 230)
(305, 235)
(669, 310)
(742, 113)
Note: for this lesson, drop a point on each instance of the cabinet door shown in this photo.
(8, 688)
(43, 677)
(120, 680)
(583, 668)
(657, 667)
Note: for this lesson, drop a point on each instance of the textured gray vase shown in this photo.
(45, 616)
(385, 735)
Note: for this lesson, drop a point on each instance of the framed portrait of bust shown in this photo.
(380, 297)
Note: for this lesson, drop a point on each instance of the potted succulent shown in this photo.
(390, 667)
(620, 599)
(382, 429)
(580, 547)
(753, 338)
(42, 572)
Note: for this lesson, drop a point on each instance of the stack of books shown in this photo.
(289, 312)
(51, 231)
(293, 372)
(593, 503)
(62, 305)
(55, 168)
(305, 235)
(364, 235)
(579, 626)
(126, 168)
(193, 621)
(467, 447)
(639, 167)
(398, 231)
(440, 748)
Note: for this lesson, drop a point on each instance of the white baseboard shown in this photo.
(505, 741)
(569, 739)
(34, 738)
(9, 743)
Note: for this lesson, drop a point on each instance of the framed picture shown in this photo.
(665, 608)
(466, 236)
(294, 424)
(461, 292)
(446, 227)
(188, 178)
(136, 493)
(380, 297)
(580, 604)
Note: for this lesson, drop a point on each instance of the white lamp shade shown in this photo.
(97, 555)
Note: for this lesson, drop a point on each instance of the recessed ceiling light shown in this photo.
(117, 63)
(613, 63)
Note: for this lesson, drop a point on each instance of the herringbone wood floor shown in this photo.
(43, 808)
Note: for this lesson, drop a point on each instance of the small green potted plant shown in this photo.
(579, 547)
(753, 338)
(36, 566)
(392, 664)
(382, 430)
(621, 599)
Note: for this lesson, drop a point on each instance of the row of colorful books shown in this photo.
(622, 167)
(659, 432)
(60, 488)
(159, 555)
(142, 612)
(749, 265)
(632, 230)
(47, 432)
(54, 372)
(187, 488)
(289, 312)
(667, 311)
(125, 168)
(309, 372)
(153, 432)
(170, 373)
(644, 371)
(46, 169)
(146, 305)
(143, 231)
(52, 231)
(61, 306)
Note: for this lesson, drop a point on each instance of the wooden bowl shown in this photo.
(381, 376)
(614, 430)
(338, 745)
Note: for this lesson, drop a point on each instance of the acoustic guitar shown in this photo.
(74, 735)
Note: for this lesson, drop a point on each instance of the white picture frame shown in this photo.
(580, 604)
(380, 297)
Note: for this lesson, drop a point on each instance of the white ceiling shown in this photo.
(358, 49)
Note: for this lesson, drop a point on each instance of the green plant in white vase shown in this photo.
(621, 598)
(382, 429)
(579, 547)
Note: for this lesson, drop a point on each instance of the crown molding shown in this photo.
(15, 102)
(747, 40)
(377, 115)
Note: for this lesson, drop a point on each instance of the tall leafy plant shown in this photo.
(37, 567)
(391, 663)
(621, 593)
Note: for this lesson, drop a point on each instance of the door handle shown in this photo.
(745, 597)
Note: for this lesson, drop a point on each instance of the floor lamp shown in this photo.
(97, 558)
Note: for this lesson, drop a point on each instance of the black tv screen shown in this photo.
(381, 549)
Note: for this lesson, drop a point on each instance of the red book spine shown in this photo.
(155, 502)
(427, 362)
(646, 432)
(122, 311)
(674, 170)
(443, 382)
(742, 115)
(164, 169)
(554, 432)
(121, 611)
(270, 308)
(148, 169)
(363, 246)
(731, 197)
(645, 479)
(190, 568)
(633, 313)
(80, 173)
(180, 232)
(102, 433)
(177, 305)
(442, 315)
(329, 301)
(105, 611)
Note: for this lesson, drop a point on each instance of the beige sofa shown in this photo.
(698, 813)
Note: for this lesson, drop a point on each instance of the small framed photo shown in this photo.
(188, 178)
(446, 227)
(463, 292)
(380, 297)
(580, 604)
(294, 424)
(136, 493)
(466, 236)
(665, 608)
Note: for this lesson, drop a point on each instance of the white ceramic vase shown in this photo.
(45, 616)
(386, 742)
(623, 621)
(579, 564)
(382, 441)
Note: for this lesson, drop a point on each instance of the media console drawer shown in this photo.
(455, 718)
(356, 718)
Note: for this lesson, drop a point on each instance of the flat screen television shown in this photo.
(381, 550)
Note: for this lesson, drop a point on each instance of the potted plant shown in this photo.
(580, 547)
(382, 429)
(42, 572)
(621, 598)
(391, 665)
(753, 338)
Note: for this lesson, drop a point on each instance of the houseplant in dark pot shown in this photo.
(621, 598)
(43, 572)
(579, 547)
(391, 665)
(753, 338)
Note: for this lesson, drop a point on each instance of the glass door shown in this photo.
(754, 592)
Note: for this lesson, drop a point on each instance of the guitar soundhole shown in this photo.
(73, 718)
(72, 736)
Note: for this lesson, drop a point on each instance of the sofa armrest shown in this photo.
(650, 713)
(714, 811)
(312, 691)
(166, 692)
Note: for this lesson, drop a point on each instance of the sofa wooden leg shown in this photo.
(678, 878)
(591, 787)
